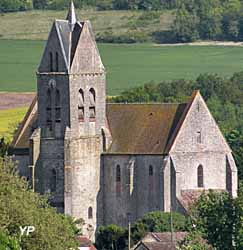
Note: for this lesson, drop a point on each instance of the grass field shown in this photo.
(9, 120)
(127, 65)
(35, 25)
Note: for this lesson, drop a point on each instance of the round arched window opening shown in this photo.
(90, 213)
(200, 181)
(151, 170)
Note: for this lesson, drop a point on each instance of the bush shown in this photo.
(15, 5)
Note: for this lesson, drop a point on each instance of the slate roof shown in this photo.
(68, 35)
(142, 128)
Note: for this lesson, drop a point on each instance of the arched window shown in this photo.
(57, 62)
(51, 61)
(200, 183)
(118, 180)
(103, 140)
(92, 100)
(90, 213)
(118, 173)
(151, 171)
(151, 178)
(48, 109)
(81, 105)
(58, 106)
(53, 180)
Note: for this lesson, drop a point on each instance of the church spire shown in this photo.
(71, 17)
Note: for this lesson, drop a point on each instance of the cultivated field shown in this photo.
(9, 120)
(127, 65)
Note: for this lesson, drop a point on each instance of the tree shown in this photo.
(194, 241)
(185, 26)
(20, 206)
(111, 237)
(8, 243)
(157, 222)
(213, 216)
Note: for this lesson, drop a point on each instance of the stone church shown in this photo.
(112, 163)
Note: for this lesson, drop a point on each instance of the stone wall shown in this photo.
(137, 192)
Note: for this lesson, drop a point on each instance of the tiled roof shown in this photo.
(85, 242)
(158, 246)
(190, 196)
(135, 128)
(166, 236)
(142, 128)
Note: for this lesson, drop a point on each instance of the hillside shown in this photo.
(35, 25)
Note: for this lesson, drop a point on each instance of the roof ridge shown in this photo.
(149, 103)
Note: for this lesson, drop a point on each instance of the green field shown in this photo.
(127, 65)
(9, 120)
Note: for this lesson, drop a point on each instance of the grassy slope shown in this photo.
(127, 65)
(35, 25)
(9, 120)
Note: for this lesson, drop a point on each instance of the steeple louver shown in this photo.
(71, 17)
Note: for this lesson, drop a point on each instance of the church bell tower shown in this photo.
(71, 114)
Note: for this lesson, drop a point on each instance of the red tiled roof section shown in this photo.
(142, 128)
(166, 237)
(85, 242)
(188, 197)
(159, 246)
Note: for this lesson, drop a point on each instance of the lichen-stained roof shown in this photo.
(142, 128)
(135, 128)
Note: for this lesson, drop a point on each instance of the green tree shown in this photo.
(8, 243)
(157, 222)
(185, 26)
(194, 241)
(20, 206)
(213, 216)
(111, 237)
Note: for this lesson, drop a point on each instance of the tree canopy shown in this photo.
(20, 207)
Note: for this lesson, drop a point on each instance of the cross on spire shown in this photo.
(71, 17)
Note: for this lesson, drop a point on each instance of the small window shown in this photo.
(200, 183)
(151, 171)
(92, 99)
(57, 62)
(118, 181)
(81, 105)
(53, 181)
(48, 110)
(90, 213)
(58, 106)
(199, 137)
(198, 106)
(118, 173)
(103, 140)
(51, 62)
